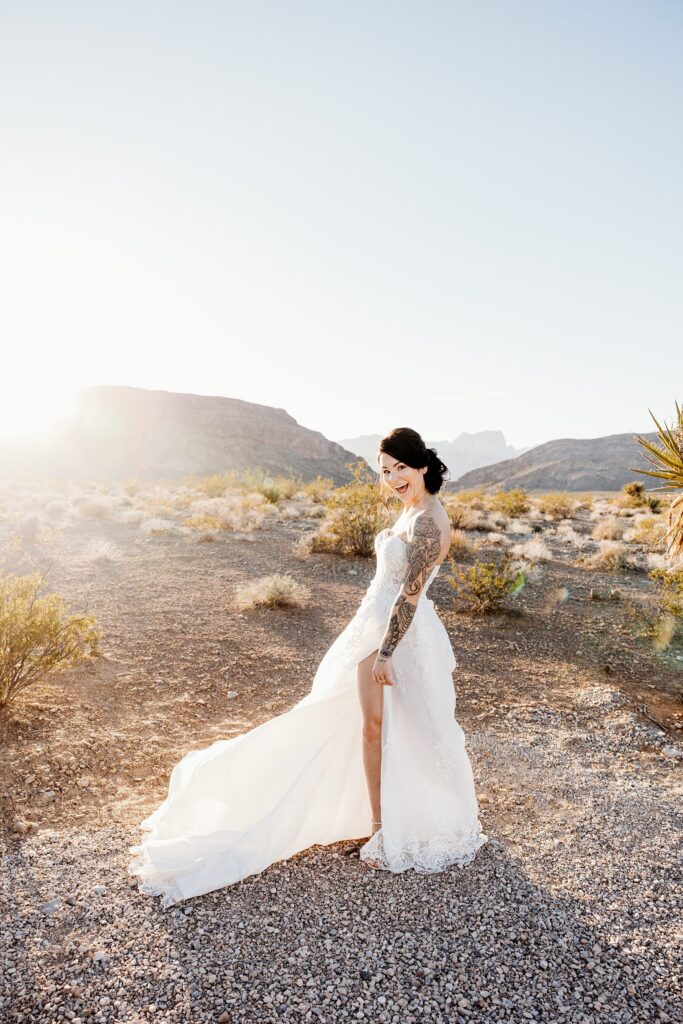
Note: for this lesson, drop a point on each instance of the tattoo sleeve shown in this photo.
(423, 554)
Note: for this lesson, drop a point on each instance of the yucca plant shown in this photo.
(667, 458)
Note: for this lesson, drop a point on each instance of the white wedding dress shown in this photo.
(297, 780)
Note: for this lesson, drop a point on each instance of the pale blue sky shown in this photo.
(453, 216)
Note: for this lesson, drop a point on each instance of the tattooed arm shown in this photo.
(423, 554)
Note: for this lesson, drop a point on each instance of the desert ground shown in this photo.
(573, 911)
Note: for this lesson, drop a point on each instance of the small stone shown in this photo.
(99, 890)
(224, 1017)
(230, 695)
(20, 827)
(84, 781)
(51, 906)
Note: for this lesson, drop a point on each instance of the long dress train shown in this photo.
(297, 780)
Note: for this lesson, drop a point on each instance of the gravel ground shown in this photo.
(571, 912)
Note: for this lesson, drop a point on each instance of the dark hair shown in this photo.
(407, 446)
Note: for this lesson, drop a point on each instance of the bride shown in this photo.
(374, 749)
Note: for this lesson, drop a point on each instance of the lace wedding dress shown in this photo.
(297, 780)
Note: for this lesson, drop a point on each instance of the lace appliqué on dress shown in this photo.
(153, 882)
(424, 854)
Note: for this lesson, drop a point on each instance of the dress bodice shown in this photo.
(392, 564)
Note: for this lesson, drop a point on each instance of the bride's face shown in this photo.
(404, 481)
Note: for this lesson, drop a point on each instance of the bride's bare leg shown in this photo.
(371, 701)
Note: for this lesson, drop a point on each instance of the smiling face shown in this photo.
(406, 482)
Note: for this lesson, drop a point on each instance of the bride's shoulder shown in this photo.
(428, 519)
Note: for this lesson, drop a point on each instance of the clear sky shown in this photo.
(445, 215)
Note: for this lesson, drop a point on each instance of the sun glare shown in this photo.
(32, 413)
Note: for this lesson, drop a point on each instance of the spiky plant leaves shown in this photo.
(668, 462)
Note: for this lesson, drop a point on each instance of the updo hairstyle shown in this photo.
(406, 445)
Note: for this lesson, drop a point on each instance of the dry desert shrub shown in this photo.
(461, 544)
(58, 511)
(584, 502)
(518, 528)
(319, 489)
(611, 556)
(100, 550)
(475, 498)
(601, 508)
(556, 504)
(272, 488)
(495, 539)
(37, 636)
(484, 585)
(533, 550)
(130, 515)
(276, 591)
(632, 495)
(608, 529)
(293, 511)
(647, 530)
(470, 519)
(319, 542)
(29, 527)
(158, 525)
(94, 506)
(566, 534)
(512, 503)
(158, 508)
(497, 520)
(242, 512)
(215, 485)
(203, 522)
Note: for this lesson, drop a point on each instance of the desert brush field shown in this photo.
(214, 600)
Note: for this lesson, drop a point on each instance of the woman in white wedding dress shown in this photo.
(374, 749)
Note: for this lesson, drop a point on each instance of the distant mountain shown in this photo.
(118, 432)
(570, 464)
(465, 452)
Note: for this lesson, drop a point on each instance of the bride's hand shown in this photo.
(383, 671)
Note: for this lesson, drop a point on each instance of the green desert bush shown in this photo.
(669, 591)
(356, 515)
(37, 637)
(275, 591)
(484, 585)
(512, 503)
(660, 615)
